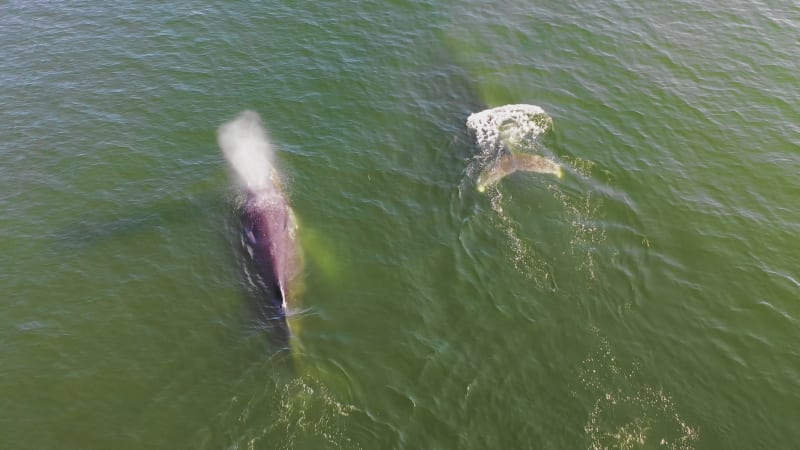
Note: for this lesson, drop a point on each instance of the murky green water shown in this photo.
(649, 299)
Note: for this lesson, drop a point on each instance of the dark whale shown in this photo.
(269, 229)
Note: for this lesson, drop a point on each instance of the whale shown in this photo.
(507, 138)
(269, 227)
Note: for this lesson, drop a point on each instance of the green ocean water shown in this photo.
(650, 298)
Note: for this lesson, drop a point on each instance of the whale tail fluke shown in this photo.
(245, 143)
(513, 162)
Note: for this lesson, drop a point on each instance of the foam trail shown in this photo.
(246, 146)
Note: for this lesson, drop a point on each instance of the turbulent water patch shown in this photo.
(628, 413)
(301, 413)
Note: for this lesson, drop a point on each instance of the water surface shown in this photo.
(646, 300)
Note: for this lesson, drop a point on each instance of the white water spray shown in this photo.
(246, 146)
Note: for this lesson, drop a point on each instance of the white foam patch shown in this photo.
(511, 126)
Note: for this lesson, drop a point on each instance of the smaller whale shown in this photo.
(506, 135)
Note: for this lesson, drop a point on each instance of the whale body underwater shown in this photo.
(269, 228)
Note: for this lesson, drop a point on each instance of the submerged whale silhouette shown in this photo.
(502, 133)
(269, 226)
